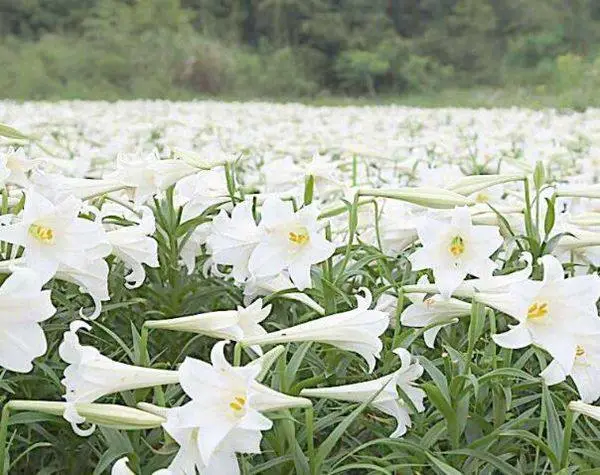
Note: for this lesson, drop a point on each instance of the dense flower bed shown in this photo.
(258, 288)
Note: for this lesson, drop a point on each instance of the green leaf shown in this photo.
(10, 133)
(443, 466)
(443, 405)
(486, 456)
(554, 431)
(550, 215)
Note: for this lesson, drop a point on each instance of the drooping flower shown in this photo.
(455, 249)
(356, 330)
(91, 375)
(550, 312)
(386, 397)
(54, 234)
(233, 239)
(289, 241)
(23, 304)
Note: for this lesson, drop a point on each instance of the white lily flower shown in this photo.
(54, 234)
(23, 304)
(226, 324)
(135, 246)
(550, 312)
(429, 310)
(270, 285)
(384, 389)
(223, 415)
(290, 241)
(586, 368)
(91, 375)
(455, 249)
(233, 239)
(356, 330)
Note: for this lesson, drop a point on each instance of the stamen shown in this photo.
(41, 233)
(457, 246)
(580, 351)
(537, 310)
(301, 237)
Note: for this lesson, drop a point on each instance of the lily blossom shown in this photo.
(54, 234)
(455, 249)
(223, 416)
(289, 241)
(91, 375)
(550, 312)
(356, 330)
(225, 324)
(384, 391)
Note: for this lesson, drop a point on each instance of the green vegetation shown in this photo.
(533, 52)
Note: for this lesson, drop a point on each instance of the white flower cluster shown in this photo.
(488, 208)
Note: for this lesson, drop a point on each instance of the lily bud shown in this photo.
(424, 196)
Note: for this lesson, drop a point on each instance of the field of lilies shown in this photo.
(227, 288)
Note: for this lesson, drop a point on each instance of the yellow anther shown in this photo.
(300, 237)
(457, 246)
(537, 310)
(238, 403)
(580, 351)
(41, 233)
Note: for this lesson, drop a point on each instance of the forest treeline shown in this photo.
(113, 49)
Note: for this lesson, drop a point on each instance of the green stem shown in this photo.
(310, 441)
(237, 354)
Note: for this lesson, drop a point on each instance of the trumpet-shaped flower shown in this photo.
(226, 324)
(586, 368)
(197, 192)
(120, 467)
(550, 312)
(290, 241)
(383, 393)
(54, 234)
(356, 330)
(432, 310)
(23, 304)
(135, 246)
(455, 249)
(233, 239)
(223, 416)
(91, 375)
